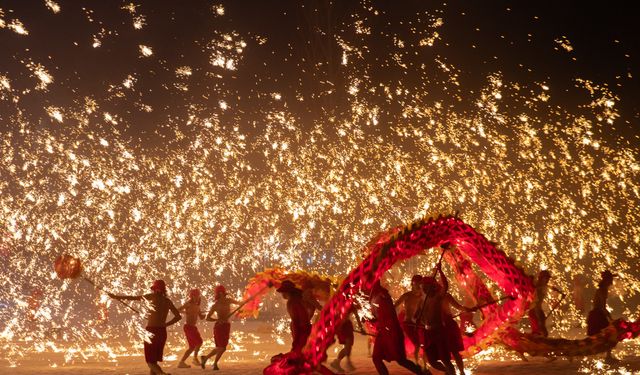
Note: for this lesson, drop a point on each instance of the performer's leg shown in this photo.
(218, 355)
(336, 363)
(610, 358)
(205, 358)
(186, 355)
(346, 349)
(458, 358)
(155, 369)
(382, 369)
(432, 358)
(411, 366)
(534, 322)
(543, 324)
(449, 366)
(196, 350)
(449, 369)
(345, 352)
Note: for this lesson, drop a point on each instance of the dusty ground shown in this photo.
(135, 366)
(252, 347)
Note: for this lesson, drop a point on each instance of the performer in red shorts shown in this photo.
(389, 344)
(222, 327)
(298, 312)
(192, 310)
(345, 337)
(411, 302)
(156, 323)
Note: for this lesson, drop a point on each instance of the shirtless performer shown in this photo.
(310, 302)
(599, 317)
(389, 344)
(156, 323)
(298, 312)
(430, 323)
(344, 331)
(222, 327)
(537, 318)
(452, 332)
(441, 336)
(412, 301)
(192, 310)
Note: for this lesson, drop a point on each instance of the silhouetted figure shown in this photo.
(452, 332)
(389, 344)
(344, 331)
(579, 294)
(191, 308)
(537, 317)
(442, 336)
(310, 301)
(222, 327)
(412, 302)
(429, 319)
(599, 317)
(298, 312)
(156, 323)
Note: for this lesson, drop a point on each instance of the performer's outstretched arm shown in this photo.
(452, 301)
(128, 298)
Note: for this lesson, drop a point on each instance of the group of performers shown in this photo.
(161, 305)
(597, 319)
(428, 324)
(425, 319)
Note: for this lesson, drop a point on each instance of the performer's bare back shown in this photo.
(160, 307)
(222, 308)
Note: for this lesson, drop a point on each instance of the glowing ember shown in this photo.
(18, 27)
(146, 51)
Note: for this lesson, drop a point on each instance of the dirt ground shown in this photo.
(251, 349)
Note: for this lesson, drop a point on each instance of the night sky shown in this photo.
(517, 39)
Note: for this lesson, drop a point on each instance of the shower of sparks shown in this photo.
(219, 10)
(41, 74)
(564, 43)
(146, 51)
(225, 197)
(18, 27)
(55, 7)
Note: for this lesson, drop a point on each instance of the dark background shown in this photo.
(514, 38)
